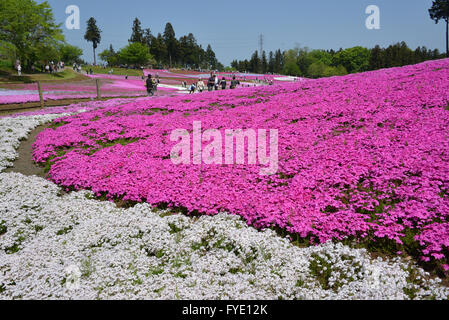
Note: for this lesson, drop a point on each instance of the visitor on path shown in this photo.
(234, 83)
(192, 88)
(150, 86)
(19, 70)
(223, 83)
(200, 85)
(216, 82)
(211, 82)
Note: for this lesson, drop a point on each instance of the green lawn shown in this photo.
(117, 71)
(8, 75)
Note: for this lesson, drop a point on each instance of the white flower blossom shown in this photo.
(71, 246)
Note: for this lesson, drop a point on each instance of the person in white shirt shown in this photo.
(216, 82)
(19, 70)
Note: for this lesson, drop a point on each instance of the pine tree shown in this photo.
(137, 35)
(264, 63)
(93, 34)
(210, 57)
(440, 11)
(271, 62)
(170, 43)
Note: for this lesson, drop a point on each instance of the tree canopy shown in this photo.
(326, 63)
(166, 50)
(135, 54)
(93, 34)
(440, 11)
(30, 30)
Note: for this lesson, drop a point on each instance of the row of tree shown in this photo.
(29, 34)
(161, 50)
(324, 63)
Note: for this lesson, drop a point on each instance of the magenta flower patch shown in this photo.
(365, 156)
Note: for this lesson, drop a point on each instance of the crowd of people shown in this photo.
(52, 67)
(49, 67)
(213, 83)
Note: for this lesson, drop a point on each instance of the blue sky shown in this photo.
(232, 27)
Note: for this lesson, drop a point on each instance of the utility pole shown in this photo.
(261, 39)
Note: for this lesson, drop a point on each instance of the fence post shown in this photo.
(41, 95)
(97, 81)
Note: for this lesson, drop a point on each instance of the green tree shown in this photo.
(305, 59)
(70, 54)
(321, 55)
(135, 54)
(440, 11)
(291, 67)
(29, 27)
(137, 33)
(93, 34)
(158, 49)
(147, 37)
(330, 71)
(355, 59)
(264, 63)
(255, 63)
(316, 69)
(110, 56)
(271, 62)
(278, 61)
(211, 58)
(8, 53)
(170, 42)
(377, 59)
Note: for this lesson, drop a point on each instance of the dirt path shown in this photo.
(24, 164)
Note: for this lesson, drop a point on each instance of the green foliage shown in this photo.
(135, 54)
(8, 55)
(211, 60)
(440, 11)
(110, 56)
(93, 34)
(353, 59)
(167, 50)
(327, 63)
(290, 59)
(316, 70)
(70, 54)
(64, 231)
(3, 228)
(137, 34)
(29, 28)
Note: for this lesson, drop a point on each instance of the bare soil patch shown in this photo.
(24, 164)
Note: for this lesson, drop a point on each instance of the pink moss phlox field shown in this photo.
(363, 157)
(111, 86)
